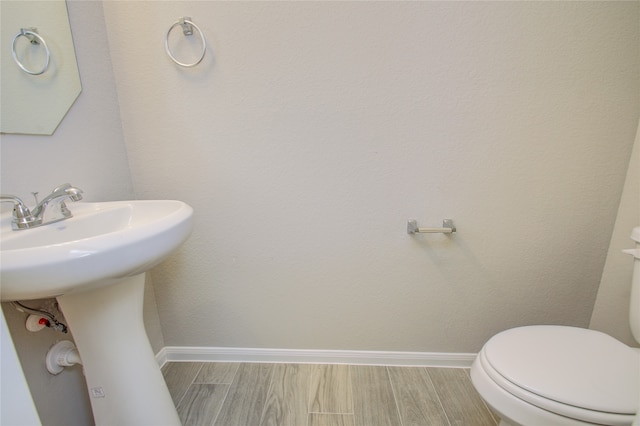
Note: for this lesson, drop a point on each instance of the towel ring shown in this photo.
(34, 38)
(187, 29)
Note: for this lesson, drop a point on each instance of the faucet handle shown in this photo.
(22, 217)
(35, 195)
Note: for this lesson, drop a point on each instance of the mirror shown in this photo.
(35, 103)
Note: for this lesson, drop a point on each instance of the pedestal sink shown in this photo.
(94, 264)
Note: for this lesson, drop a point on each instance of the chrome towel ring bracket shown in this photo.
(187, 29)
(34, 38)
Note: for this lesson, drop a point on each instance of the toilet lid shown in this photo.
(573, 366)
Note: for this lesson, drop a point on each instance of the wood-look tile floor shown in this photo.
(256, 394)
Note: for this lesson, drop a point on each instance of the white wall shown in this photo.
(313, 130)
(611, 310)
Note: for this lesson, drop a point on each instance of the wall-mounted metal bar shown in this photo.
(447, 228)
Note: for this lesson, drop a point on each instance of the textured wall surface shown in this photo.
(610, 312)
(312, 131)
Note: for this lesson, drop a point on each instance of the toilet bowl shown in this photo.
(548, 375)
(555, 375)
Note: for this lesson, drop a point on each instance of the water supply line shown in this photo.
(53, 321)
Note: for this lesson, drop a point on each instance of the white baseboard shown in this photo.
(306, 356)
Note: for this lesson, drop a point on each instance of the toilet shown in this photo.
(548, 375)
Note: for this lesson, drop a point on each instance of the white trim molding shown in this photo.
(308, 356)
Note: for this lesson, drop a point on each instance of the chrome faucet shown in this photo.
(51, 209)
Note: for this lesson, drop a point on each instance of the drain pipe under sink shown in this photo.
(62, 354)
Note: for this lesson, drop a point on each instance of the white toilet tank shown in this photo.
(634, 308)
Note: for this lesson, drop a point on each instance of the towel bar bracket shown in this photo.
(185, 23)
(447, 228)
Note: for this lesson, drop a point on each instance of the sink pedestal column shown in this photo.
(126, 386)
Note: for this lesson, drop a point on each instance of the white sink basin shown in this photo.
(101, 244)
(94, 264)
